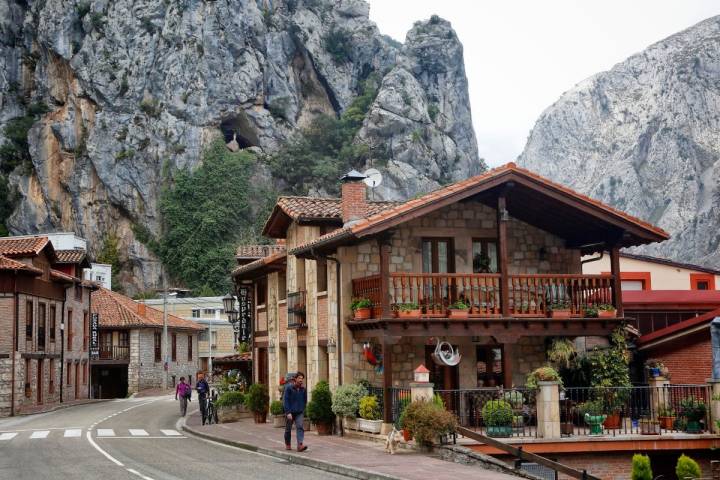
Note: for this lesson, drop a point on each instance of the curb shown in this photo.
(293, 458)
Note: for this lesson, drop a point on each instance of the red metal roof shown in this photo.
(679, 327)
(659, 297)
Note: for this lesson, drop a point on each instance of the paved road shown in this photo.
(126, 440)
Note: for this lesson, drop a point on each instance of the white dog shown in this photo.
(392, 440)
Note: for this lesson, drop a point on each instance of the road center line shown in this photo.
(135, 472)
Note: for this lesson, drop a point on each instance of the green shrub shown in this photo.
(687, 468)
(405, 307)
(542, 374)
(400, 422)
(276, 408)
(319, 410)
(692, 409)
(369, 408)
(360, 303)
(641, 468)
(338, 42)
(497, 413)
(257, 398)
(459, 305)
(514, 398)
(593, 407)
(346, 401)
(433, 111)
(438, 401)
(426, 421)
(230, 399)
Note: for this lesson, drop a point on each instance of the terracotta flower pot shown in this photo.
(607, 313)
(323, 428)
(667, 423)
(407, 436)
(612, 421)
(363, 313)
(458, 314)
(561, 313)
(408, 313)
(260, 417)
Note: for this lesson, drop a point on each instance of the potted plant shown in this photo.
(498, 418)
(542, 374)
(693, 412)
(319, 410)
(257, 400)
(400, 423)
(641, 468)
(459, 310)
(649, 426)
(362, 308)
(687, 468)
(605, 310)
(369, 420)
(560, 309)
(592, 412)
(346, 403)
(666, 416)
(427, 422)
(230, 407)
(590, 311)
(407, 310)
(278, 414)
(654, 367)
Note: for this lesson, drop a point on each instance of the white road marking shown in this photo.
(138, 432)
(73, 433)
(107, 455)
(171, 433)
(7, 436)
(105, 432)
(135, 472)
(40, 434)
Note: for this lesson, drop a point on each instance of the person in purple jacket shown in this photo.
(294, 401)
(183, 391)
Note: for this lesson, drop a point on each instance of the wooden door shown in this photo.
(438, 256)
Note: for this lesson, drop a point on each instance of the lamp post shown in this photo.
(232, 314)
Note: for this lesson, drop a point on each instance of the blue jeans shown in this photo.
(298, 421)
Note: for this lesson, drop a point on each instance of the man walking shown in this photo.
(294, 401)
(203, 389)
(183, 391)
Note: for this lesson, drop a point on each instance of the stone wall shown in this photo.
(77, 350)
(144, 372)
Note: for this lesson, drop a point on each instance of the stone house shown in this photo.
(44, 305)
(508, 243)
(131, 355)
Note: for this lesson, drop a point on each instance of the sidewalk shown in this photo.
(352, 457)
(51, 407)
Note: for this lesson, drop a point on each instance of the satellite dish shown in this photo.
(373, 177)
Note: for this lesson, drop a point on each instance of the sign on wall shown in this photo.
(245, 313)
(94, 336)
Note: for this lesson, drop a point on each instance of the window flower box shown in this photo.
(370, 426)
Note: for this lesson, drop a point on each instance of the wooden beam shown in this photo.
(617, 283)
(502, 219)
(507, 354)
(384, 244)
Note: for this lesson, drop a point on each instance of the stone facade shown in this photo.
(144, 372)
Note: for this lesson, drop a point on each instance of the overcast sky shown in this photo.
(521, 55)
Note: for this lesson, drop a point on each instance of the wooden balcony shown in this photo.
(119, 353)
(528, 296)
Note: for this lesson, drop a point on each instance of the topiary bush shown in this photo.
(497, 413)
(426, 422)
(346, 401)
(369, 408)
(276, 408)
(319, 410)
(257, 398)
(641, 468)
(687, 468)
(230, 399)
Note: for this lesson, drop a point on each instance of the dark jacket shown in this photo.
(202, 388)
(294, 399)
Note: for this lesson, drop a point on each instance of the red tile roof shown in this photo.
(8, 264)
(62, 276)
(258, 251)
(260, 263)
(457, 190)
(236, 357)
(70, 256)
(22, 246)
(117, 310)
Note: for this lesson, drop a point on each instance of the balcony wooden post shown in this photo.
(387, 380)
(507, 364)
(384, 244)
(617, 284)
(502, 218)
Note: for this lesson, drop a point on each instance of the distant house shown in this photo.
(132, 357)
(42, 291)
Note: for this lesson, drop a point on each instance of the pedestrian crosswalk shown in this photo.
(100, 433)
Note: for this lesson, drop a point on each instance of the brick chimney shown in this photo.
(141, 310)
(354, 204)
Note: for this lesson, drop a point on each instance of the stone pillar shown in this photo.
(659, 393)
(714, 404)
(715, 469)
(421, 390)
(548, 410)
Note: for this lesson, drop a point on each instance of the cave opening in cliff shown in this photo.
(238, 127)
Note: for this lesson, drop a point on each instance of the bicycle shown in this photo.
(211, 415)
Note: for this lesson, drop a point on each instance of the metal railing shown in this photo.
(397, 394)
(467, 405)
(296, 309)
(636, 410)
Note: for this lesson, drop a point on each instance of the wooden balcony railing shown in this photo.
(114, 352)
(296, 309)
(528, 295)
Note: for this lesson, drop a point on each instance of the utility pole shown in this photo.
(166, 365)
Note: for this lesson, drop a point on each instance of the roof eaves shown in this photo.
(325, 241)
(258, 264)
(671, 263)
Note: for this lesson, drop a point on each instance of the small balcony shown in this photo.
(296, 310)
(114, 352)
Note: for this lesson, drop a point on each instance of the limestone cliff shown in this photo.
(135, 87)
(643, 137)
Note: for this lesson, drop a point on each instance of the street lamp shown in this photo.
(228, 303)
(232, 315)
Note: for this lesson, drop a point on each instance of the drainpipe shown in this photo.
(594, 259)
(89, 319)
(15, 327)
(715, 341)
(62, 346)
